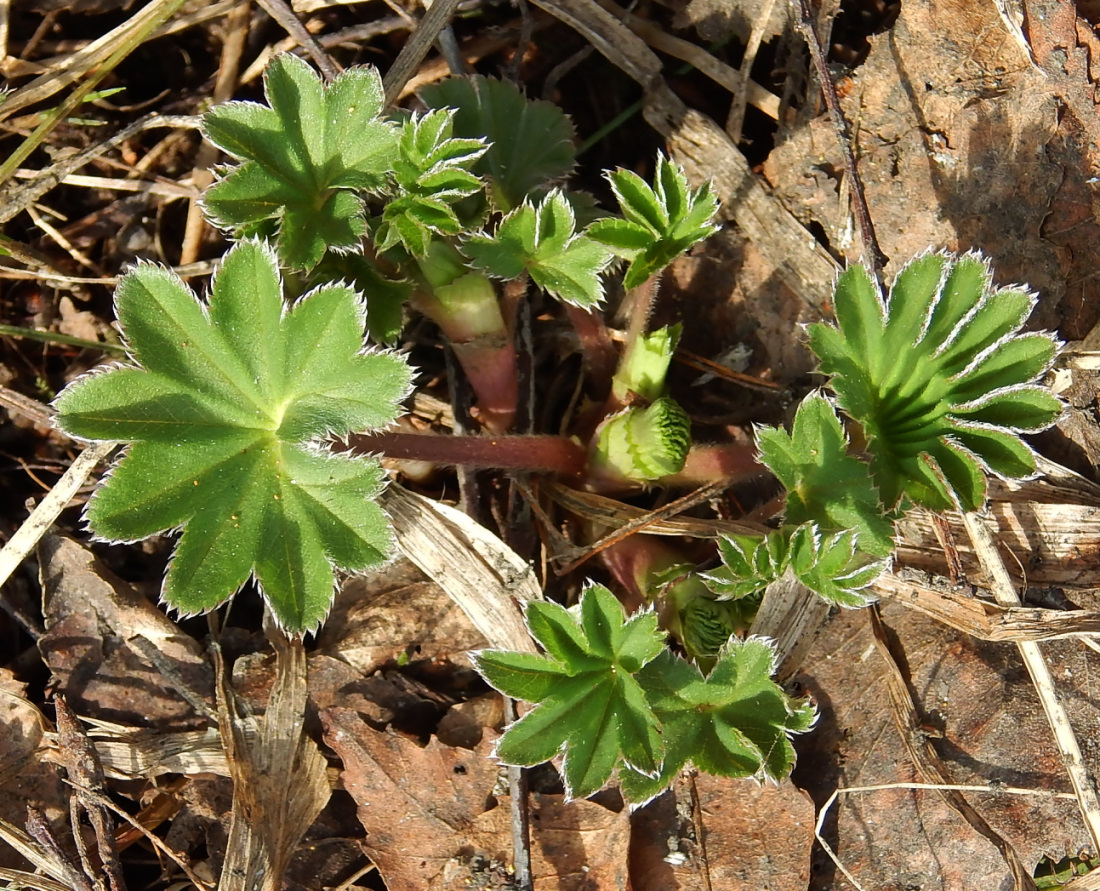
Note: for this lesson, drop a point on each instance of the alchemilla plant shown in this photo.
(343, 217)
(227, 407)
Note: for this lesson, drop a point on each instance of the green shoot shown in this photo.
(541, 240)
(659, 222)
(431, 174)
(643, 444)
(226, 408)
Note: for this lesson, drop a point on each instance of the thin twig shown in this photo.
(736, 118)
(704, 493)
(1064, 738)
(282, 13)
(873, 256)
(417, 46)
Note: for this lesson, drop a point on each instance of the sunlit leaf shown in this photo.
(226, 409)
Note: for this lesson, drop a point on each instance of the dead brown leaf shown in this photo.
(26, 777)
(715, 832)
(987, 727)
(113, 653)
(394, 614)
(433, 819)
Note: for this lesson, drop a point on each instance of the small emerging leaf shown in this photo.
(825, 485)
(645, 444)
(432, 174)
(661, 222)
(541, 240)
(225, 410)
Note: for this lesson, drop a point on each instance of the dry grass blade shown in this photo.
(280, 783)
(981, 619)
(1032, 656)
(13, 200)
(56, 868)
(417, 46)
(136, 32)
(43, 516)
(485, 577)
(791, 615)
(16, 878)
(706, 153)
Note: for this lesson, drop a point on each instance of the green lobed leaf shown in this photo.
(542, 240)
(940, 379)
(747, 567)
(531, 141)
(662, 221)
(734, 722)
(587, 700)
(300, 156)
(225, 410)
(832, 566)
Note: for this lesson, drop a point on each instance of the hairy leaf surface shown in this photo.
(587, 701)
(940, 378)
(225, 411)
(660, 221)
(542, 240)
(734, 722)
(304, 156)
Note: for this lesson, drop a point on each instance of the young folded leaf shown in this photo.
(587, 701)
(830, 564)
(305, 157)
(661, 222)
(225, 409)
(431, 175)
(824, 484)
(940, 378)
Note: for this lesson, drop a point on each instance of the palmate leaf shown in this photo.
(829, 564)
(940, 378)
(659, 222)
(542, 240)
(734, 722)
(587, 701)
(304, 157)
(225, 409)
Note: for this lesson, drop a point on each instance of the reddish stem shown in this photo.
(707, 463)
(538, 454)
